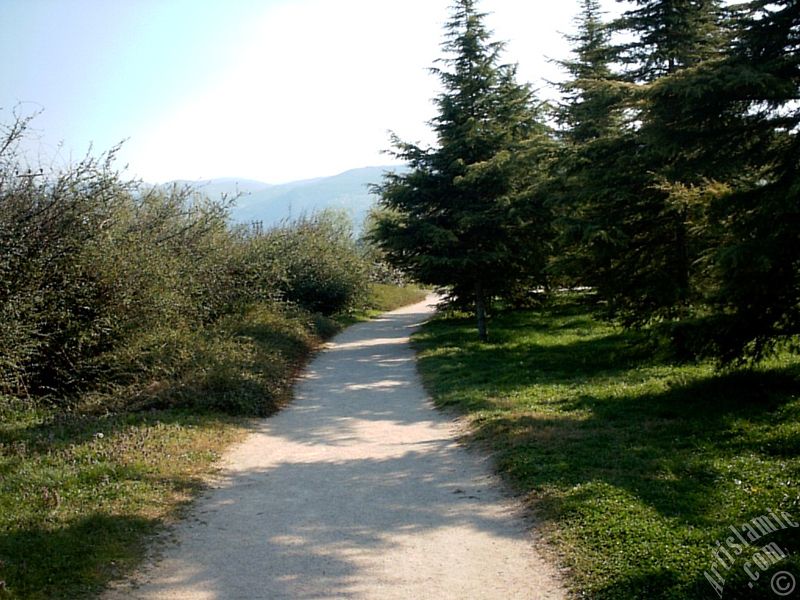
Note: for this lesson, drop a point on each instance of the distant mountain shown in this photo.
(271, 204)
(224, 186)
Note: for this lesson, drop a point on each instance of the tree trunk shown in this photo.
(480, 312)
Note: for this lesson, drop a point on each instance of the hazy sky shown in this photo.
(274, 90)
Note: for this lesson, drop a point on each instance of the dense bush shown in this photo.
(323, 268)
(52, 302)
(105, 282)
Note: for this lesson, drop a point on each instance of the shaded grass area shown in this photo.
(79, 495)
(82, 490)
(636, 466)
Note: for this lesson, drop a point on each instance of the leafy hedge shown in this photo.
(106, 282)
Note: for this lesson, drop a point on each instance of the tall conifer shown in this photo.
(590, 131)
(652, 265)
(758, 257)
(465, 216)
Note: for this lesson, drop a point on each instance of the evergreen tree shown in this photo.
(591, 135)
(668, 35)
(757, 261)
(651, 263)
(467, 215)
(677, 191)
(587, 111)
(714, 217)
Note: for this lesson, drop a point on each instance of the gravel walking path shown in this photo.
(359, 490)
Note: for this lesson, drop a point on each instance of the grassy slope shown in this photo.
(384, 297)
(80, 493)
(635, 466)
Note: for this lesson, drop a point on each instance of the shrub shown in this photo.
(107, 283)
(322, 266)
(88, 262)
(51, 300)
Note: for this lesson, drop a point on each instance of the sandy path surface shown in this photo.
(357, 490)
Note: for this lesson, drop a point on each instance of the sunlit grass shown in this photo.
(384, 297)
(78, 496)
(635, 465)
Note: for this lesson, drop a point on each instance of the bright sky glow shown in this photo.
(274, 90)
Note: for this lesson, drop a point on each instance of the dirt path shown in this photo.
(357, 490)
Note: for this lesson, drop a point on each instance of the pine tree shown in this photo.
(589, 99)
(685, 185)
(669, 35)
(719, 130)
(651, 274)
(466, 216)
(758, 257)
(591, 135)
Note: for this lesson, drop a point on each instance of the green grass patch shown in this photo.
(79, 495)
(384, 297)
(635, 465)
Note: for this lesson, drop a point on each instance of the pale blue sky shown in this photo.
(274, 90)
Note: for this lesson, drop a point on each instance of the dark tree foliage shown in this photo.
(757, 260)
(668, 35)
(648, 265)
(727, 127)
(590, 120)
(588, 109)
(467, 216)
(695, 197)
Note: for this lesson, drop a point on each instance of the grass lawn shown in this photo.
(82, 491)
(383, 298)
(636, 466)
(80, 495)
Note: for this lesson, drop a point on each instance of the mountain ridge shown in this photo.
(271, 204)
